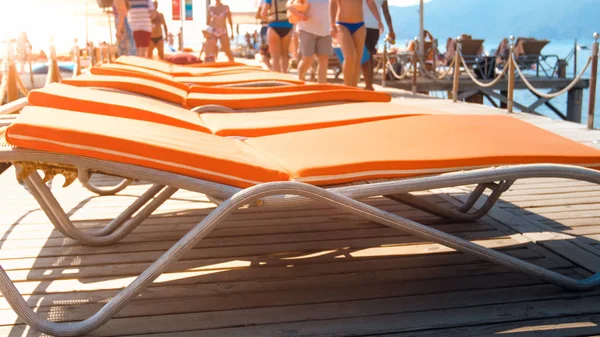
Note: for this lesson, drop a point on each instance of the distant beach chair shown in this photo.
(471, 50)
(529, 52)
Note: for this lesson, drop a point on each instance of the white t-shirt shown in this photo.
(370, 20)
(318, 18)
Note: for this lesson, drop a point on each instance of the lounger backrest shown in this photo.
(534, 47)
(142, 62)
(471, 47)
(124, 70)
(62, 96)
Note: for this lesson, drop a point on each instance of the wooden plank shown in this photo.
(360, 318)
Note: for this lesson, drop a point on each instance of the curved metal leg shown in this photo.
(462, 213)
(115, 230)
(203, 228)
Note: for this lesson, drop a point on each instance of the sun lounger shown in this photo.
(229, 78)
(529, 52)
(298, 166)
(171, 68)
(238, 101)
(61, 96)
(111, 82)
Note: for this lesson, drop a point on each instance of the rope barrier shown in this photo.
(393, 72)
(479, 83)
(429, 74)
(553, 95)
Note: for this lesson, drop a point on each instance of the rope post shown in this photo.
(384, 63)
(77, 59)
(12, 89)
(414, 66)
(434, 47)
(593, 79)
(456, 69)
(511, 77)
(53, 72)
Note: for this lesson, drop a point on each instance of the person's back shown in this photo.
(141, 24)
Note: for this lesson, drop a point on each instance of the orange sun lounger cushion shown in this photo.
(270, 100)
(130, 71)
(62, 96)
(170, 68)
(392, 148)
(261, 90)
(419, 145)
(127, 81)
(252, 124)
(162, 91)
(239, 78)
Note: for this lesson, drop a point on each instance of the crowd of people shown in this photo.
(311, 29)
(307, 31)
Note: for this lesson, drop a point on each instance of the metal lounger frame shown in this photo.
(344, 198)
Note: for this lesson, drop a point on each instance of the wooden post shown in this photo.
(53, 72)
(574, 105)
(511, 77)
(12, 90)
(505, 94)
(593, 80)
(456, 69)
(384, 64)
(414, 66)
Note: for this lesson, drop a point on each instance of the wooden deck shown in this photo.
(314, 271)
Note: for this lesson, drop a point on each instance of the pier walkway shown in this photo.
(313, 270)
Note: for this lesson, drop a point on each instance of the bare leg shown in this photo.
(367, 70)
(285, 56)
(275, 49)
(151, 47)
(350, 55)
(142, 51)
(359, 45)
(323, 64)
(226, 46)
(305, 63)
(161, 49)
